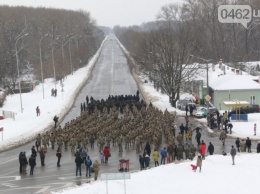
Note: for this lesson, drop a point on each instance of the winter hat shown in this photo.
(199, 154)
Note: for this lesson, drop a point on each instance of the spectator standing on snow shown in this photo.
(141, 161)
(238, 144)
(96, 167)
(210, 148)
(258, 147)
(147, 161)
(233, 153)
(38, 112)
(148, 148)
(242, 146)
(203, 148)
(156, 157)
(163, 155)
(88, 164)
(199, 162)
(248, 145)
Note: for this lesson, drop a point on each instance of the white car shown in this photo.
(200, 112)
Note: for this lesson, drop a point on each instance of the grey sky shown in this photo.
(106, 12)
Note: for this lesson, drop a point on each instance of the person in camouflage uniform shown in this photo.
(52, 140)
(180, 152)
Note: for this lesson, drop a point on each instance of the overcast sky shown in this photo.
(105, 12)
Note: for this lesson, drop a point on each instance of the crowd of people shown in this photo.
(127, 123)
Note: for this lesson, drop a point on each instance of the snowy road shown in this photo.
(111, 76)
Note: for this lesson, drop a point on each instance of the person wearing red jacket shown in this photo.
(106, 152)
(203, 148)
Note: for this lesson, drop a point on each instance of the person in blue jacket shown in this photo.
(163, 155)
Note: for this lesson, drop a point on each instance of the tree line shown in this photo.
(187, 33)
(45, 40)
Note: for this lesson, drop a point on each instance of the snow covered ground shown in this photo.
(218, 175)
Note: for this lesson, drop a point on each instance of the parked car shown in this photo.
(249, 109)
(199, 112)
(203, 113)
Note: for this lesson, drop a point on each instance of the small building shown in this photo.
(234, 86)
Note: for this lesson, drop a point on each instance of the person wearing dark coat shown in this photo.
(210, 149)
(141, 161)
(191, 110)
(58, 154)
(34, 152)
(87, 100)
(238, 144)
(182, 128)
(186, 110)
(148, 148)
(198, 136)
(20, 161)
(248, 145)
(258, 147)
(147, 161)
(32, 163)
(24, 162)
(78, 161)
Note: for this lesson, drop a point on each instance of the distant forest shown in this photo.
(65, 40)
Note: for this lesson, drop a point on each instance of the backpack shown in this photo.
(88, 162)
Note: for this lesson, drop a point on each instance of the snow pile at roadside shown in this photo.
(179, 178)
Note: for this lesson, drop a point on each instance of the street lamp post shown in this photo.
(207, 69)
(41, 63)
(70, 57)
(18, 71)
(53, 66)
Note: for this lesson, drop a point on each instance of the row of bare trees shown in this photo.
(163, 48)
(65, 40)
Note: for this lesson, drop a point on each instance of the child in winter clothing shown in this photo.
(102, 157)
